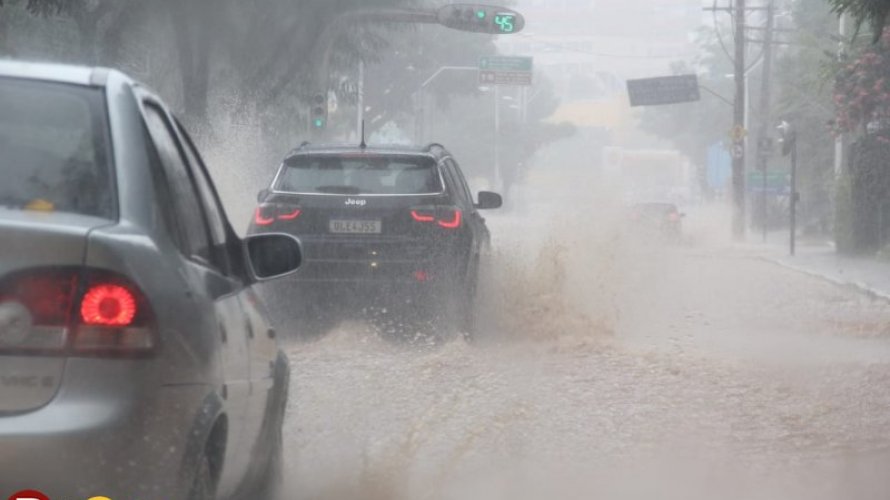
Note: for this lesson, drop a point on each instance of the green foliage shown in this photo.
(868, 205)
(803, 77)
(862, 88)
(44, 8)
(872, 13)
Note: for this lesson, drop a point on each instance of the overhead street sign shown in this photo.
(505, 70)
(663, 90)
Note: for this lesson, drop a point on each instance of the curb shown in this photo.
(859, 286)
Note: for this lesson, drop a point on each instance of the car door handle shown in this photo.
(249, 326)
(271, 333)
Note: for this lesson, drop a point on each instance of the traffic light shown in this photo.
(479, 18)
(318, 115)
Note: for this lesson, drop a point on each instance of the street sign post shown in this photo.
(506, 70)
(663, 90)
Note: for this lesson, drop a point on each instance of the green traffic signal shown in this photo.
(319, 112)
(480, 18)
(505, 23)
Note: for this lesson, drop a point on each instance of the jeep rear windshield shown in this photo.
(54, 149)
(360, 175)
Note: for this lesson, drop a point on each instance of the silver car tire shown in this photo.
(202, 485)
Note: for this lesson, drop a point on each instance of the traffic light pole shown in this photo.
(420, 94)
(794, 197)
(476, 18)
(329, 34)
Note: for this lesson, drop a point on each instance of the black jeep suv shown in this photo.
(391, 226)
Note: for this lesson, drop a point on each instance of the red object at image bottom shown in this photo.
(29, 495)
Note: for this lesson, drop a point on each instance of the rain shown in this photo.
(671, 215)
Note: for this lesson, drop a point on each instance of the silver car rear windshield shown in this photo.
(54, 154)
(366, 174)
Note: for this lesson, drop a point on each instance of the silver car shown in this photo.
(136, 360)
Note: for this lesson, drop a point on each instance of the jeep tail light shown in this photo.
(451, 221)
(291, 215)
(423, 215)
(447, 217)
(267, 213)
(261, 217)
(74, 312)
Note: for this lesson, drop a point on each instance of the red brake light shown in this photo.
(267, 213)
(108, 305)
(420, 216)
(453, 222)
(291, 216)
(74, 311)
(260, 219)
(447, 217)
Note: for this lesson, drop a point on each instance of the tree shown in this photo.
(802, 79)
(870, 12)
(862, 103)
(266, 48)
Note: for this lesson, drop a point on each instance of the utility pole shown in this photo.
(738, 149)
(839, 140)
(765, 108)
(497, 137)
(789, 146)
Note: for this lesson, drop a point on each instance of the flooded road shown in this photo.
(629, 372)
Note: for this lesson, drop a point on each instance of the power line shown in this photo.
(569, 48)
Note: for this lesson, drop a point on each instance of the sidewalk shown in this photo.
(870, 275)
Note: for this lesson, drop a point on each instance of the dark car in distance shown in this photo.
(390, 225)
(661, 219)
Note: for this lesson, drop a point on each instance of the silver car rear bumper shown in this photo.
(102, 435)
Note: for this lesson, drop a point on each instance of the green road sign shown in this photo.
(778, 181)
(505, 70)
(505, 63)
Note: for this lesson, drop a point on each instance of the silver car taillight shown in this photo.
(74, 312)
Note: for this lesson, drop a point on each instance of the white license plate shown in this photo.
(355, 226)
